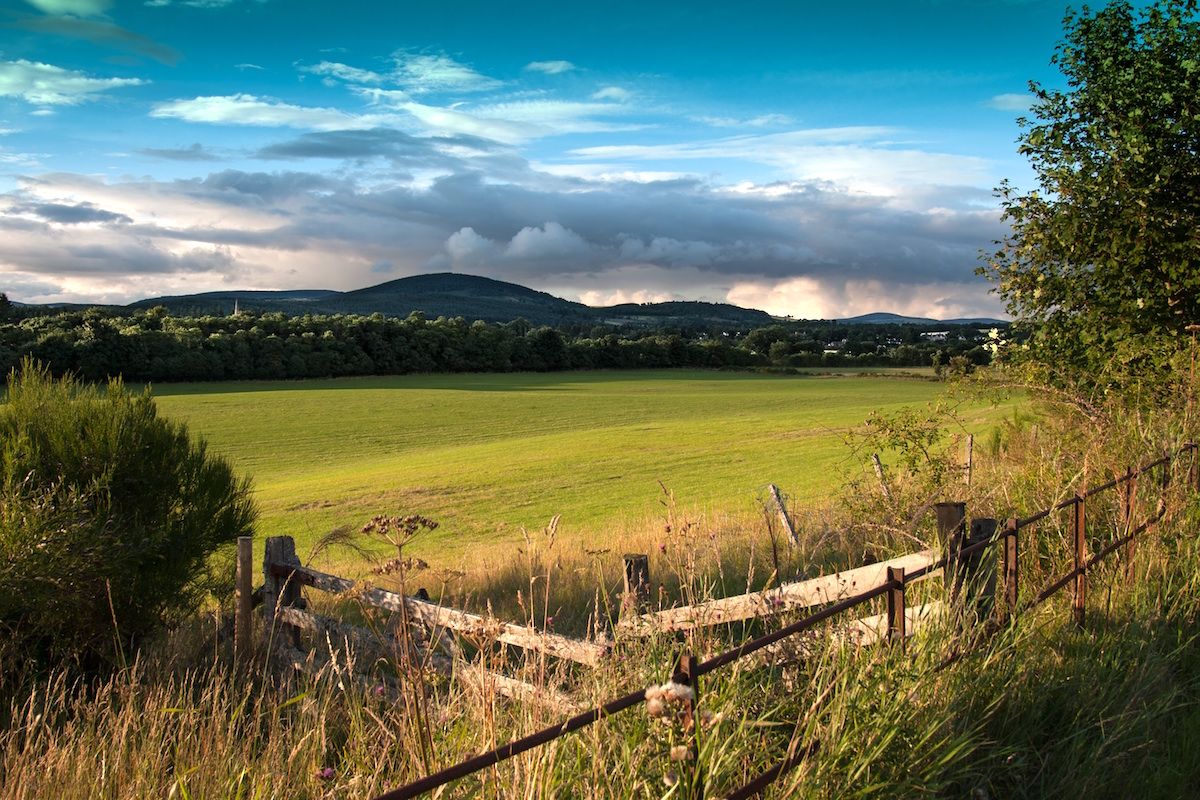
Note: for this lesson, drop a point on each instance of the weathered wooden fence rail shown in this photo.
(968, 562)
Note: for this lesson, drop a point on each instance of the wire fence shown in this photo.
(961, 562)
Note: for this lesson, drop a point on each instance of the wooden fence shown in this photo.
(968, 564)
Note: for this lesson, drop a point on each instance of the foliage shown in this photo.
(152, 345)
(110, 514)
(1102, 265)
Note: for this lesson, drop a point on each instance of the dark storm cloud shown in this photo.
(192, 154)
(570, 233)
(102, 33)
(261, 189)
(361, 145)
(75, 214)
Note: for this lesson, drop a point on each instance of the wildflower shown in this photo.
(326, 774)
(379, 690)
(676, 692)
(662, 547)
(549, 621)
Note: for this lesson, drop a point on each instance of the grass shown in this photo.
(1039, 709)
(489, 455)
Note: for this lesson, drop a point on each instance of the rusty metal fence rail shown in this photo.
(960, 551)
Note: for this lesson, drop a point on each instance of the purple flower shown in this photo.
(326, 774)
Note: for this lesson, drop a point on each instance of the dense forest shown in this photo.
(153, 345)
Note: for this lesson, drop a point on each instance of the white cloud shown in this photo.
(344, 72)
(613, 93)
(551, 241)
(547, 242)
(467, 248)
(46, 84)
(421, 74)
(550, 67)
(858, 158)
(1011, 102)
(245, 109)
(764, 121)
(803, 298)
(78, 8)
(248, 66)
(449, 120)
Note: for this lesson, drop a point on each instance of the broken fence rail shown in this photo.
(893, 587)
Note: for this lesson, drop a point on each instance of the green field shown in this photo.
(487, 454)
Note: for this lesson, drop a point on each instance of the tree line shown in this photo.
(153, 345)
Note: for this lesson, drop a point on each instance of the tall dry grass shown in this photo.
(1037, 709)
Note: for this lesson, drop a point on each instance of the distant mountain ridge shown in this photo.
(473, 297)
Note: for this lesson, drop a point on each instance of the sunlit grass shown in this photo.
(488, 455)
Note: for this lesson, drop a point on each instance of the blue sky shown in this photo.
(809, 159)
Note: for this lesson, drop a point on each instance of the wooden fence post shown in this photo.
(637, 584)
(1130, 498)
(970, 456)
(243, 589)
(1011, 566)
(896, 620)
(980, 572)
(278, 591)
(773, 490)
(1080, 560)
(951, 526)
(879, 474)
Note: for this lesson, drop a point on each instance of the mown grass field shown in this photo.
(486, 455)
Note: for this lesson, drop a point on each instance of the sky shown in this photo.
(811, 159)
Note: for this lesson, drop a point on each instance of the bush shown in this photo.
(109, 518)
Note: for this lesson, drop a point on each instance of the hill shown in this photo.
(897, 319)
(468, 296)
(473, 298)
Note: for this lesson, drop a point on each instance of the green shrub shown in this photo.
(109, 518)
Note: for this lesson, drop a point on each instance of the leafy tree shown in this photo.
(109, 516)
(1102, 264)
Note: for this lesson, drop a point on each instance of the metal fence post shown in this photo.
(1080, 560)
(896, 618)
(1130, 497)
(691, 721)
(1011, 566)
